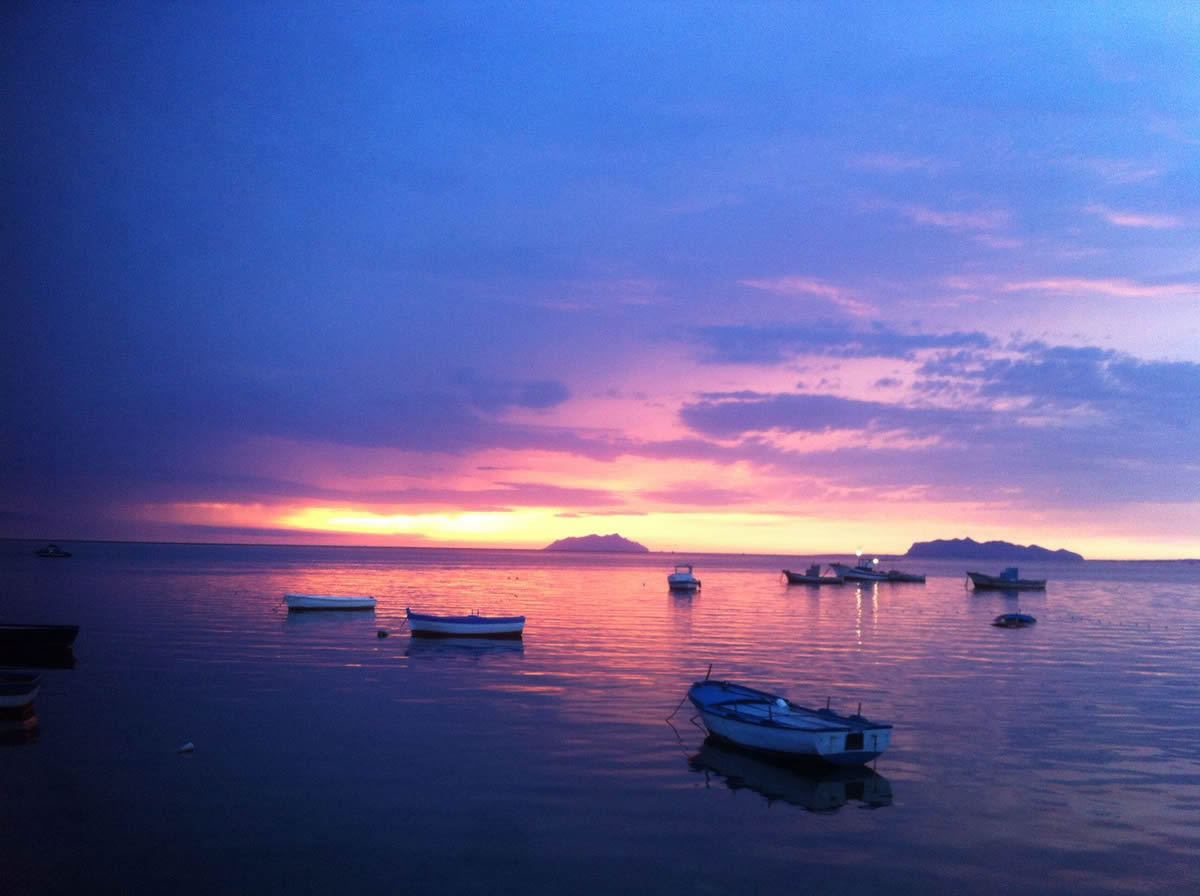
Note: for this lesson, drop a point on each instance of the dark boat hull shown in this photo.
(983, 582)
(800, 578)
(37, 636)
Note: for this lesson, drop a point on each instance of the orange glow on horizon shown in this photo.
(882, 528)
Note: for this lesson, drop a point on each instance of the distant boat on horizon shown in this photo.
(1008, 580)
(812, 576)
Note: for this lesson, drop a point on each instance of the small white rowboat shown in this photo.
(424, 625)
(329, 601)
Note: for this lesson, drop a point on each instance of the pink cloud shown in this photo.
(886, 161)
(796, 285)
(1109, 287)
(1134, 219)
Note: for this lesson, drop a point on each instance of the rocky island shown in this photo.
(610, 543)
(1000, 551)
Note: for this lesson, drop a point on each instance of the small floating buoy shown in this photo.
(186, 748)
(382, 633)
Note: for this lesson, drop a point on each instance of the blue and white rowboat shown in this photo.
(771, 724)
(425, 625)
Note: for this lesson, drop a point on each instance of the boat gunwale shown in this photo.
(470, 619)
(839, 723)
(752, 696)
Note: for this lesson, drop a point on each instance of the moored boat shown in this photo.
(811, 576)
(17, 690)
(427, 625)
(329, 601)
(768, 723)
(868, 571)
(862, 571)
(52, 550)
(1008, 580)
(682, 578)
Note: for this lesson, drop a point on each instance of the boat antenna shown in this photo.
(709, 672)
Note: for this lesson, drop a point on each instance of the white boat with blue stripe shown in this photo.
(771, 724)
(426, 625)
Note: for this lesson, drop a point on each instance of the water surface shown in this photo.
(1060, 758)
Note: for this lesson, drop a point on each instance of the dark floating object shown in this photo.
(52, 550)
(43, 646)
(30, 636)
(1013, 620)
(382, 633)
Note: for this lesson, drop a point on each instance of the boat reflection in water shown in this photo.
(816, 788)
(477, 648)
(18, 732)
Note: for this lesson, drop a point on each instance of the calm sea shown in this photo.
(1060, 758)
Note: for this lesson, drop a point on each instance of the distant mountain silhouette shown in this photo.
(613, 543)
(970, 549)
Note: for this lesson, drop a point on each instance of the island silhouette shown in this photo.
(613, 543)
(970, 549)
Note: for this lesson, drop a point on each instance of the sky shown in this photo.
(739, 277)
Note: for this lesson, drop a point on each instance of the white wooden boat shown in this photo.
(426, 625)
(811, 576)
(682, 579)
(771, 724)
(17, 690)
(329, 601)
(1008, 580)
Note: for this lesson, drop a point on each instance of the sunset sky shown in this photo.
(746, 277)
